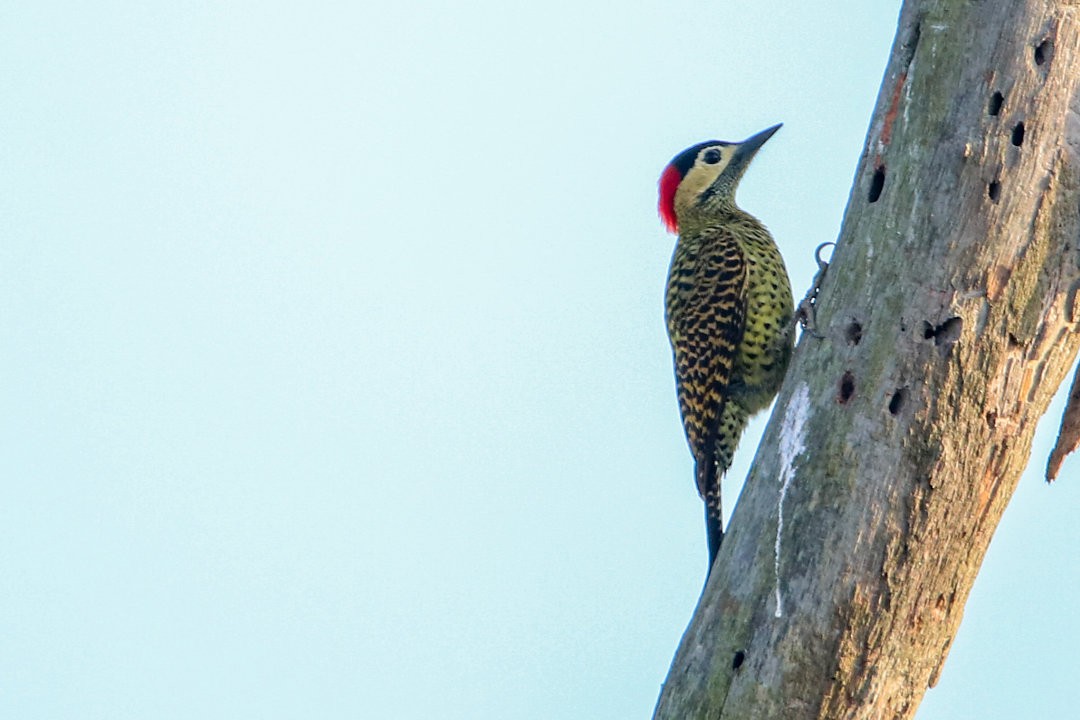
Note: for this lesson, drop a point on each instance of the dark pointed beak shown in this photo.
(749, 147)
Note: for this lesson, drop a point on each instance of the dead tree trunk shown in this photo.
(949, 318)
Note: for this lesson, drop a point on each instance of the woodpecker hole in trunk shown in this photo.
(877, 184)
(847, 387)
(1018, 134)
(994, 191)
(996, 101)
(898, 400)
(946, 333)
(853, 332)
(737, 661)
(1044, 51)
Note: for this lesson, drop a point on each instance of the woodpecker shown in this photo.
(728, 309)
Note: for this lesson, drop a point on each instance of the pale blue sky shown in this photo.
(335, 378)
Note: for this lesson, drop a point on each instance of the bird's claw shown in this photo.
(806, 313)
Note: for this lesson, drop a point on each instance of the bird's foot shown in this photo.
(806, 313)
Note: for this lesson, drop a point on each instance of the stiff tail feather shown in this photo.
(709, 485)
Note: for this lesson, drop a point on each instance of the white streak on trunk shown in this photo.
(791, 445)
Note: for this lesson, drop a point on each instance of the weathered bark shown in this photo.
(949, 318)
(1068, 438)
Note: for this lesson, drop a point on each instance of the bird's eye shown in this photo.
(711, 156)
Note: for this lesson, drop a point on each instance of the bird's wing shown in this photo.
(707, 309)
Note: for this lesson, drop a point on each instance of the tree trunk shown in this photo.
(949, 319)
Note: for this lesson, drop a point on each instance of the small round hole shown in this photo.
(847, 387)
(996, 101)
(737, 661)
(1018, 134)
(994, 191)
(946, 333)
(877, 184)
(897, 401)
(1044, 51)
(854, 333)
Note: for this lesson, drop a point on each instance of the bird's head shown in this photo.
(704, 177)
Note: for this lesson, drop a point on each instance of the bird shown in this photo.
(728, 309)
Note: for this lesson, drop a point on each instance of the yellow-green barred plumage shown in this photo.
(729, 310)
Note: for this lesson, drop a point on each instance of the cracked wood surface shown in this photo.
(948, 320)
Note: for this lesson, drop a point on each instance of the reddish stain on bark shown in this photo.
(894, 108)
